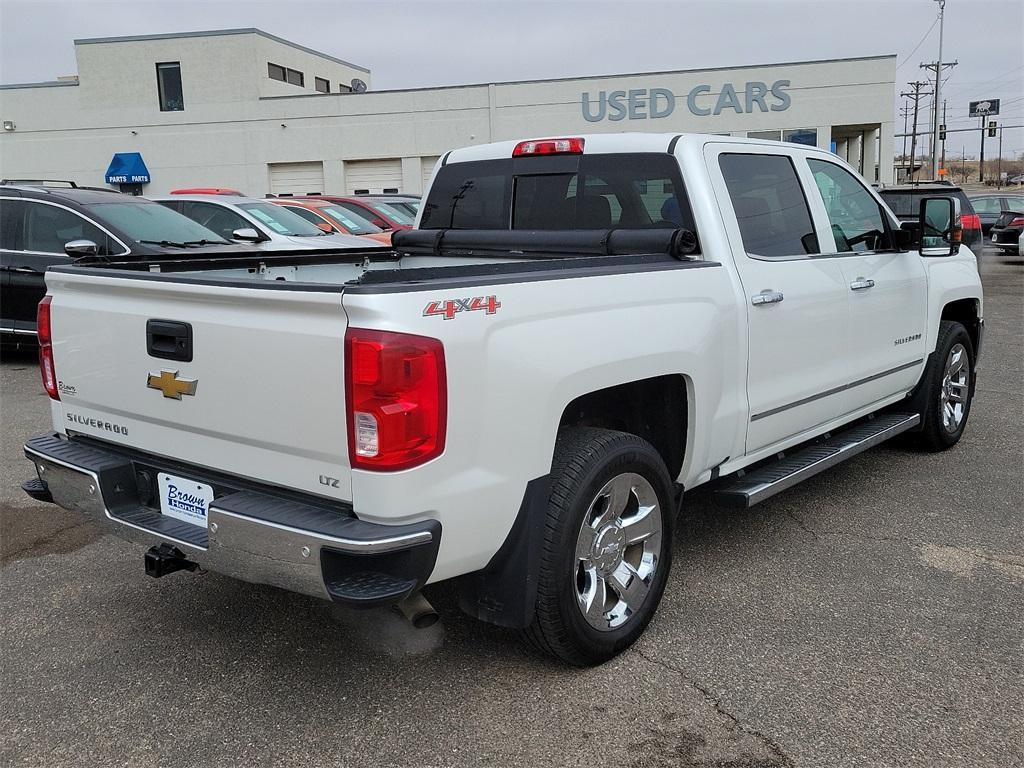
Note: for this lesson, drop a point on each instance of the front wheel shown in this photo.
(607, 545)
(946, 389)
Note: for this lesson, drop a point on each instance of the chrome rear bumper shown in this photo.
(303, 546)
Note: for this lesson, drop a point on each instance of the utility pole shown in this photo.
(937, 68)
(906, 116)
(943, 134)
(916, 96)
(981, 162)
(938, 86)
(999, 164)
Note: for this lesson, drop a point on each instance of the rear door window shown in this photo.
(770, 206)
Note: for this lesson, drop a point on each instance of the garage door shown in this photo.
(428, 169)
(296, 178)
(374, 176)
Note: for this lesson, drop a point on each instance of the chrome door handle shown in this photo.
(861, 284)
(767, 296)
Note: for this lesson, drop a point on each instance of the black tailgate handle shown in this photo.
(169, 340)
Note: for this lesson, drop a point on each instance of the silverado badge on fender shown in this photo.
(169, 383)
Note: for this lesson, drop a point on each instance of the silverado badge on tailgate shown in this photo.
(169, 383)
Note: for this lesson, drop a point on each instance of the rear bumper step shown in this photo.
(766, 481)
(304, 547)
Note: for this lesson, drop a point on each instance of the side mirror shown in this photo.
(323, 226)
(940, 226)
(246, 234)
(77, 248)
(382, 224)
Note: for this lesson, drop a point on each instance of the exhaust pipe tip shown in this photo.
(417, 611)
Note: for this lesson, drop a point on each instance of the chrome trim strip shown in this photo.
(349, 545)
(834, 391)
(22, 331)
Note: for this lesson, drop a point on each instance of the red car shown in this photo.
(379, 210)
(323, 212)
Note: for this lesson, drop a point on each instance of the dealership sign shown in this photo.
(652, 103)
(983, 108)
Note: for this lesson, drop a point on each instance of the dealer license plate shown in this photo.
(184, 499)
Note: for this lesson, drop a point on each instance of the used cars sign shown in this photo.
(644, 103)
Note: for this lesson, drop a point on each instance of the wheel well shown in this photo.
(654, 409)
(965, 312)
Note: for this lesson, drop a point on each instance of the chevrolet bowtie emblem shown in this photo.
(169, 383)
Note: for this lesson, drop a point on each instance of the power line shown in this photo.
(906, 60)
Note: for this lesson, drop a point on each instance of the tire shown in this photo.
(945, 403)
(595, 472)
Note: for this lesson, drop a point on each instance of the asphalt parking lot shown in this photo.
(872, 616)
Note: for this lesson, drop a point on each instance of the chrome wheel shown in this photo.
(953, 393)
(618, 551)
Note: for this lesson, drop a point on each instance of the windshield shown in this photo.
(353, 222)
(412, 206)
(281, 220)
(392, 212)
(144, 221)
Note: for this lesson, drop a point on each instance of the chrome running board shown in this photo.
(762, 483)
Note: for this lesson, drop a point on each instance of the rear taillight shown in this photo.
(970, 221)
(548, 147)
(46, 368)
(396, 399)
(1017, 221)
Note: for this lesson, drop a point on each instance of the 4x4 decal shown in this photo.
(450, 307)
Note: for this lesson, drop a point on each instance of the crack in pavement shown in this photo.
(770, 744)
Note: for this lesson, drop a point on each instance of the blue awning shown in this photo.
(127, 168)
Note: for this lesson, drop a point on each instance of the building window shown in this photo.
(770, 135)
(168, 83)
(295, 77)
(322, 85)
(276, 72)
(808, 136)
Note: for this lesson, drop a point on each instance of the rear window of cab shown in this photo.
(630, 191)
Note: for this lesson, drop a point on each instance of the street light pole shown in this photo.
(937, 96)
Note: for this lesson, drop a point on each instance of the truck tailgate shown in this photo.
(268, 401)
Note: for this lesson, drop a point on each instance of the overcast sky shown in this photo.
(408, 44)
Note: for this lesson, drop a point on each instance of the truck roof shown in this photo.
(608, 143)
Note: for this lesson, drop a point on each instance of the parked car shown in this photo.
(506, 401)
(207, 191)
(339, 219)
(376, 208)
(260, 223)
(989, 206)
(42, 226)
(410, 203)
(905, 200)
(1006, 231)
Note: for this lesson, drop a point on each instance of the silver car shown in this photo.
(260, 223)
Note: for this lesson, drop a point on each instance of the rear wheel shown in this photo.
(607, 546)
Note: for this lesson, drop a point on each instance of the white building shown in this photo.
(244, 109)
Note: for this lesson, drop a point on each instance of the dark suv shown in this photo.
(905, 202)
(43, 225)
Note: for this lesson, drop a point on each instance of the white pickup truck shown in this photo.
(519, 392)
